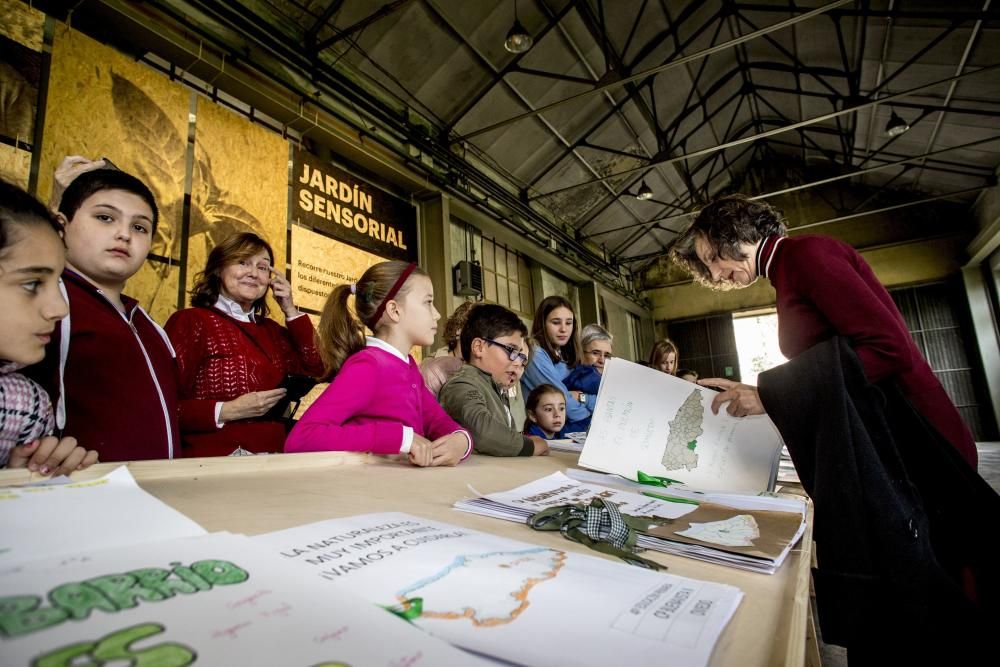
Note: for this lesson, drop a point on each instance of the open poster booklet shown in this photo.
(657, 423)
(511, 600)
(746, 532)
(218, 599)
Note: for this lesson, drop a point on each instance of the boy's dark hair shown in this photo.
(687, 371)
(491, 321)
(17, 208)
(91, 182)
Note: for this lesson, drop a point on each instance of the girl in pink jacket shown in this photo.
(377, 401)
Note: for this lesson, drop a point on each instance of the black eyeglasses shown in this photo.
(513, 353)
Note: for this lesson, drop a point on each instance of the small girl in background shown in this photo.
(32, 257)
(664, 356)
(546, 406)
(377, 401)
(556, 352)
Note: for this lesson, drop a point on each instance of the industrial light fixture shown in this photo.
(518, 40)
(896, 126)
(644, 192)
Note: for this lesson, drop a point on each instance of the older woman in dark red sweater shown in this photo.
(824, 289)
(231, 358)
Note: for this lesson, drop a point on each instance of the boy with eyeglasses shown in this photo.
(492, 346)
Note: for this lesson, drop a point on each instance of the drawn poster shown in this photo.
(661, 425)
(104, 104)
(213, 600)
(103, 513)
(512, 600)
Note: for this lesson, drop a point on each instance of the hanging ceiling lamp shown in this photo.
(644, 191)
(518, 40)
(896, 126)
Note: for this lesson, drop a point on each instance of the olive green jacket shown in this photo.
(475, 401)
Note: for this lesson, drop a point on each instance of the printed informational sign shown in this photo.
(351, 210)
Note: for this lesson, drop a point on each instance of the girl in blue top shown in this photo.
(556, 350)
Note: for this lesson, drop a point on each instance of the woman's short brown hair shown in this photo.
(726, 224)
(236, 248)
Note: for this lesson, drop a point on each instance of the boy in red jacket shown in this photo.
(110, 368)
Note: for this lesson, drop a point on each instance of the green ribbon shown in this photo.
(653, 480)
(572, 520)
(665, 482)
(407, 610)
(671, 499)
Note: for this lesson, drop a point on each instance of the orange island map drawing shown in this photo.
(500, 581)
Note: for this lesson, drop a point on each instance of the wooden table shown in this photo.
(258, 494)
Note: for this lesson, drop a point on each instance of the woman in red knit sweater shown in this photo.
(231, 358)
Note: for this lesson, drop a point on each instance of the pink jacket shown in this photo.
(367, 405)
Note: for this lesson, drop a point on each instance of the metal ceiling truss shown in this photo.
(389, 124)
(841, 88)
(839, 97)
(986, 174)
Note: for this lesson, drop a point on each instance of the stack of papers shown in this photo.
(510, 600)
(786, 469)
(102, 571)
(565, 445)
(752, 533)
(216, 600)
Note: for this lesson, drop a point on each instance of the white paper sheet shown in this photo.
(216, 600)
(558, 489)
(650, 421)
(42, 521)
(516, 601)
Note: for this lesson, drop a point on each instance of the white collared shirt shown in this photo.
(233, 309)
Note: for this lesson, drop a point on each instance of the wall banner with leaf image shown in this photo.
(347, 208)
(239, 184)
(104, 104)
(21, 29)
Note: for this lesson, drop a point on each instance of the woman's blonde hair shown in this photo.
(342, 332)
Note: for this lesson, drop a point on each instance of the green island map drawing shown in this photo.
(501, 581)
(682, 439)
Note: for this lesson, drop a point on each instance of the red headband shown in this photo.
(392, 294)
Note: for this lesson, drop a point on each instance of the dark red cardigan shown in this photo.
(218, 361)
(120, 379)
(824, 289)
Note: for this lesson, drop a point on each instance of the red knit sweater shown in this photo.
(825, 288)
(217, 361)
